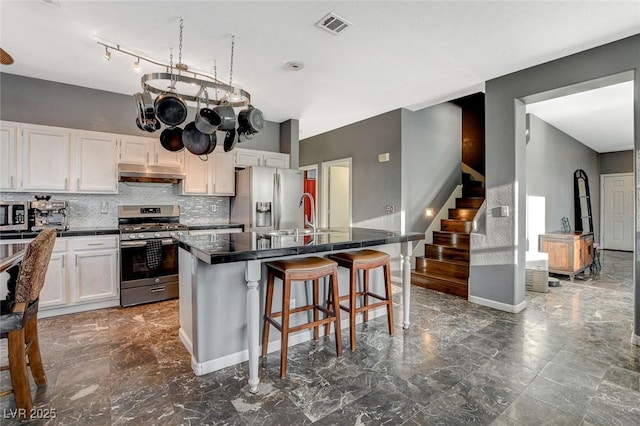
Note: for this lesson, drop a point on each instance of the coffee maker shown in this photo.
(49, 214)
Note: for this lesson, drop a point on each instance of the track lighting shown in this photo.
(136, 65)
(107, 54)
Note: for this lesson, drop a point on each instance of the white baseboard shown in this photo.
(635, 339)
(201, 368)
(80, 307)
(514, 309)
(186, 341)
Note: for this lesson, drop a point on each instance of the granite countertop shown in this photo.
(105, 230)
(71, 232)
(213, 225)
(225, 248)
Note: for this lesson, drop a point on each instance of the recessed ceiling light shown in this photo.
(294, 66)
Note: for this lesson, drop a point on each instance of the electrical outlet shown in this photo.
(214, 208)
(292, 303)
(104, 207)
(389, 208)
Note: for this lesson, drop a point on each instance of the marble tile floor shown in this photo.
(566, 359)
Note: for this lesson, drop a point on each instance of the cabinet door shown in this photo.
(196, 180)
(224, 172)
(275, 159)
(54, 292)
(8, 156)
(97, 163)
(46, 158)
(247, 157)
(135, 149)
(96, 275)
(163, 157)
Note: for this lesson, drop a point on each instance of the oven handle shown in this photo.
(165, 242)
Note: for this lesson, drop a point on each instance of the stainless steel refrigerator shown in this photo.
(268, 198)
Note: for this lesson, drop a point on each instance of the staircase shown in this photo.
(445, 264)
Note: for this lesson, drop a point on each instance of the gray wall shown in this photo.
(35, 101)
(431, 161)
(374, 184)
(552, 158)
(497, 271)
(616, 162)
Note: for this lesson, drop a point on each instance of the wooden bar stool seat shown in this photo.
(306, 269)
(363, 260)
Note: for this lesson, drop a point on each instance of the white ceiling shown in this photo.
(602, 119)
(397, 54)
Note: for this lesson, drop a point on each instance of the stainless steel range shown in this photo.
(148, 253)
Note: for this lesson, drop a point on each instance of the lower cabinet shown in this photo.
(82, 275)
(96, 268)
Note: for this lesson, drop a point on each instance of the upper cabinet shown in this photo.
(142, 150)
(213, 176)
(8, 155)
(96, 161)
(252, 157)
(46, 158)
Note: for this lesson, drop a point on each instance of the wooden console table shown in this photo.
(569, 252)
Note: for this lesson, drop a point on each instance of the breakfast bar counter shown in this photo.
(220, 293)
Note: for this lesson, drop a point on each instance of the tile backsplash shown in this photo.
(86, 209)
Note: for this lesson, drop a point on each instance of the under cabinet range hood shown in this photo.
(149, 173)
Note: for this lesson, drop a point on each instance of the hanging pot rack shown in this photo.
(158, 82)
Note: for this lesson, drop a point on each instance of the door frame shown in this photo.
(305, 169)
(324, 189)
(602, 198)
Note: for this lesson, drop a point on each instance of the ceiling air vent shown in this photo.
(333, 23)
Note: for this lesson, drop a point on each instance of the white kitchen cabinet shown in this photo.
(46, 158)
(215, 176)
(55, 291)
(96, 268)
(96, 162)
(252, 157)
(8, 155)
(143, 150)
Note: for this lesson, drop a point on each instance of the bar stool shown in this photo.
(365, 261)
(306, 269)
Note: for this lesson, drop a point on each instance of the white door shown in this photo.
(339, 196)
(224, 173)
(8, 156)
(46, 158)
(96, 275)
(617, 212)
(54, 292)
(196, 180)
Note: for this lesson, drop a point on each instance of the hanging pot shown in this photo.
(212, 143)
(146, 119)
(170, 109)
(230, 140)
(207, 120)
(195, 141)
(171, 139)
(251, 120)
(227, 117)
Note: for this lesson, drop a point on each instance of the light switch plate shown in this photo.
(104, 207)
(504, 211)
(389, 208)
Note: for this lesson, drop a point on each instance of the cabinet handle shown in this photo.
(157, 289)
(76, 260)
(207, 187)
(77, 183)
(95, 244)
(11, 184)
(156, 157)
(147, 158)
(66, 183)
(63, 262)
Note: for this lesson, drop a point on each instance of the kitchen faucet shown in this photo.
(310, 223)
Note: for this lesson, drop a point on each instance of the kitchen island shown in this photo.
(222, 301)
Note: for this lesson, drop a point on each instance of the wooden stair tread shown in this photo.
(447, 261)
(439, 277)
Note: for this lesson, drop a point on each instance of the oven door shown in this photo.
(142, 283)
